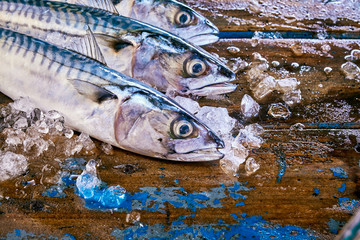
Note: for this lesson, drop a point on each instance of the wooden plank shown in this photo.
(306, 157)
(273, 15)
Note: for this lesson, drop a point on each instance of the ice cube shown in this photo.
(187, 103)
(107, 148)
(293, 97)
(217, 119)
(36, 115)
(91, 188)
(68, 133)
(21, 123)
(351, 70)
(42, 127)
(249, 136)
(297, 49)
(113, 197)
(258, 58)
(251, 166)
(356, 54)
(265, 86)
(14, 136)
(249, 107)
(23, 104)
(88, 183)
(286, 84)
(87, 144)
(279, 110)
(37, 145)
(12, 165)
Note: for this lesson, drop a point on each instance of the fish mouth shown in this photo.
(201, 155)
(214, 89)
(204, 39)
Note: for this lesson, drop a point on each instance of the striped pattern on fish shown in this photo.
(102, 102)
(129, 46)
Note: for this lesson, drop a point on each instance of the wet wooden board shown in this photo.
(294, 186)
(273, 15)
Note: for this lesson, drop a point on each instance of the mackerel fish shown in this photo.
(149, 54)
(169, 15)
(102, 102)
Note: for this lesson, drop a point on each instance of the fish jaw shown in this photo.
(215, 89)
(204, 39)
(217, 82)
(208, 33)
(197, 156)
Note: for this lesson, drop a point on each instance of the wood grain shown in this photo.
(274, 15)
(328, 101)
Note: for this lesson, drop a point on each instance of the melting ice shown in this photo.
(92, 189)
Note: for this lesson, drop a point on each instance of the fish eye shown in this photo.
(182, 128)
(183, 18)
(195, 67)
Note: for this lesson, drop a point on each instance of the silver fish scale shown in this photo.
(55, 16)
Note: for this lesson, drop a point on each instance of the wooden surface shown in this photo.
(329, 110)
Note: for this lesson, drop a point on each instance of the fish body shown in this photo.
(170, 15)
(102, 102)
(149, 54)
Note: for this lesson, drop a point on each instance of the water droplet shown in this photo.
(327, 70)
(233, 50)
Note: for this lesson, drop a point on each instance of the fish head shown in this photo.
(153, 125)
(176, 18)
(169, 63)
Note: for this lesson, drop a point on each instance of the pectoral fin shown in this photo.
(119, 53)
(114, 43)
(92, 91)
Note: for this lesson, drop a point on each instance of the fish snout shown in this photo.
(219, 142)
(214, 29)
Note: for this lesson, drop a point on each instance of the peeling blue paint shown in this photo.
(316, 192)
(154, 199)
(348, 204)
(342, 188)
(246, 228)
(281, 168)
(335, 226)
(20, 234)
(332, 125)
(339, 172)
(239, 204)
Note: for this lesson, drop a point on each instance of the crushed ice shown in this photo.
(12, 165)
(263, 84)
(237, 147)
(32, 132)
(92, 189)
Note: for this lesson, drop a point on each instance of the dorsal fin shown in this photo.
(88, 47)
(95, 93)
(105, 5)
